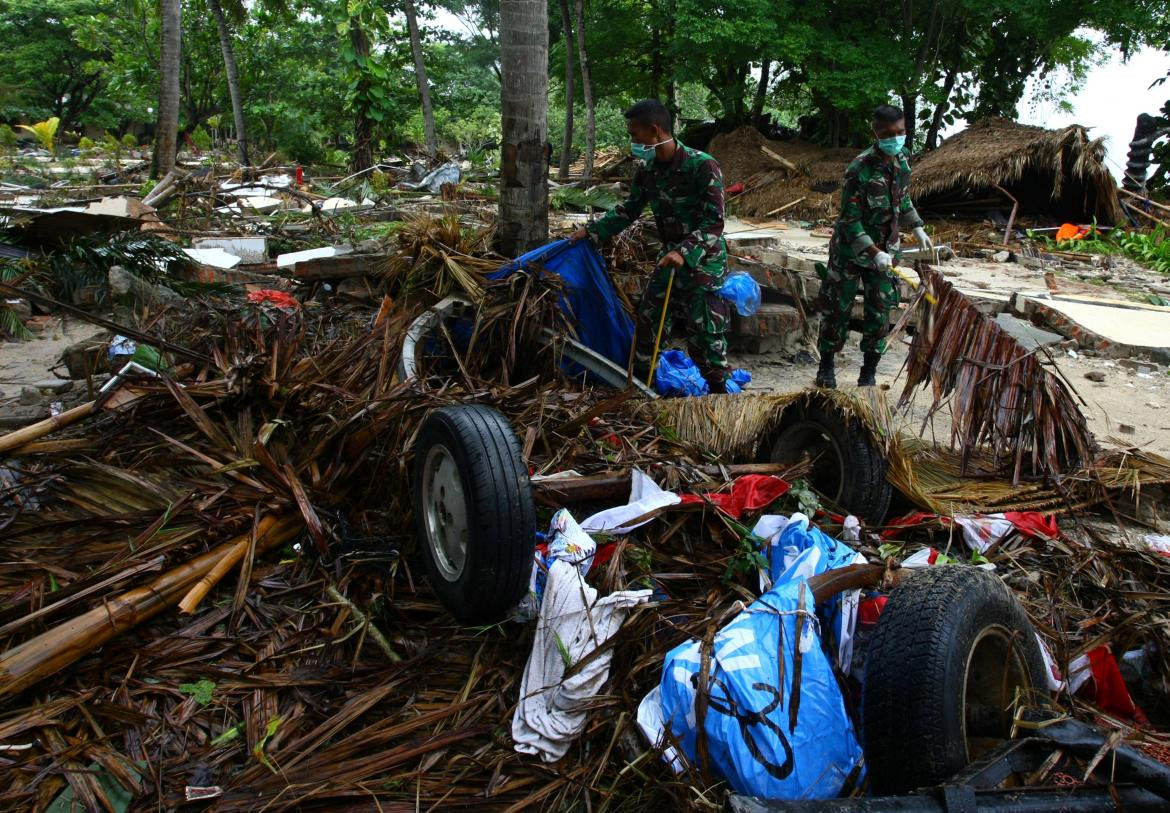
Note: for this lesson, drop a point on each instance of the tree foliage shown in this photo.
(307, 84)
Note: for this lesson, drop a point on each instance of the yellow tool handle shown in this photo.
(913, 283)
(661, 324)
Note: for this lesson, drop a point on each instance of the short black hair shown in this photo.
(887, 114)
(651, 112)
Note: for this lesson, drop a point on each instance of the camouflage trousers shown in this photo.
(836, 304)
(693, 296)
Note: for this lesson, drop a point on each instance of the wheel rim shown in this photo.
(827, 474)
(995, 670)
(445, 512)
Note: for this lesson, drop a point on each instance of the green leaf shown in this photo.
(202, 690)
(269, 732)
(230, 735)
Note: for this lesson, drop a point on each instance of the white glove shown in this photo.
(882, 261)
(924, 240)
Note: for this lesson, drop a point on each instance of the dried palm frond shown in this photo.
(1002, 397)
(440, 256)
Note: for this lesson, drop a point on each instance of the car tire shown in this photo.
(848, 468)
(475, 518)
(951, 653)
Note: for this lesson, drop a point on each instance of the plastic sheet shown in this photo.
(590, 299)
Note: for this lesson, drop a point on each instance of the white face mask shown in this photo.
(645, 151)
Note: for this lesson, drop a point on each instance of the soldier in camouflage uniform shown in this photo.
(684, 189)
(875, 207)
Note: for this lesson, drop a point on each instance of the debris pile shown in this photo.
(800, 178)
(214, 590)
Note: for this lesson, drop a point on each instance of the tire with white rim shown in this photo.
(475, 519)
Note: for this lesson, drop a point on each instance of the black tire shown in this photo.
(849, 470)
(950, 650)
(476, 539)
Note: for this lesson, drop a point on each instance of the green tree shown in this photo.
(47, 70)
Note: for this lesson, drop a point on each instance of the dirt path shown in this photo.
(1135, 396)
(27, 364)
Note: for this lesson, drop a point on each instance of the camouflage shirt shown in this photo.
(875, 206)
(686, 197)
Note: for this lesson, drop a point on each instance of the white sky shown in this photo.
(1112, 96)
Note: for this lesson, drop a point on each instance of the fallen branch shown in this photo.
(365, 621)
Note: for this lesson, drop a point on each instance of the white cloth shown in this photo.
(573, 623)
(1159, 543)
(981, 531)
(653, 725)
(645, 496)
(882, 261)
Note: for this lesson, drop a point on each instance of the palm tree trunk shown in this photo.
(420, 75)
(587, 89)
(523, 221)
(233, 79)
(570, 91)
(167, 131)
(362, 156)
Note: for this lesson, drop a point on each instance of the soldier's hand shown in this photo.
(672, 260)
(578, 236)
(923, 239)
(882, 261)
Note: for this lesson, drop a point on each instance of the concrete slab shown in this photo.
(1027, 334)
(1107, 329)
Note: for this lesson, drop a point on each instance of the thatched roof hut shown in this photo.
(1060, 173)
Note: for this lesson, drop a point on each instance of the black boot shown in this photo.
(869, 370)
(826, 375)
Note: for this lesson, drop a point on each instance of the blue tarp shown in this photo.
(590, 301)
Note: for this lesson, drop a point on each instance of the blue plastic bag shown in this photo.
(739, 379)
(803, 551)
(677, 375)
(742, 291)
(750, 741)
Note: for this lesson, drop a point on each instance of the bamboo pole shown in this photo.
(1144, 199)
(221, 568)
(781, 160)
(39, 429)
(784, 208)
(48, 653)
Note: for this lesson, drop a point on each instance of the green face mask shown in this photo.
(892, 145)
(645, 152)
